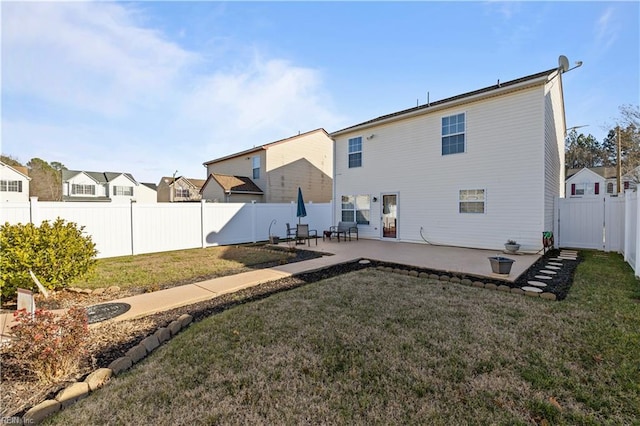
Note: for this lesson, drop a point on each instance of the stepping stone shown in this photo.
(536, 283)
(568, 258)
(532, 289)
(555, 263)
(543, 277)
(573, 252)
(553, 267)
(544, 271)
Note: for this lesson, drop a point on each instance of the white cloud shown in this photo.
(605, 30)
(88, 56)
(113, 95)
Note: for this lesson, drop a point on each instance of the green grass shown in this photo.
(372, 347)
(156, 270)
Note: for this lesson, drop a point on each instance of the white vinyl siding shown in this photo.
(407, 159)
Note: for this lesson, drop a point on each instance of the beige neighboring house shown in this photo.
(597, 181)
(179, 189)
(231, 189)
(14, 183)
(272, 173)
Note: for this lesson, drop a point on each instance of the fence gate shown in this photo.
(591, 222)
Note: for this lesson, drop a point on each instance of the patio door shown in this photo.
(389, 216)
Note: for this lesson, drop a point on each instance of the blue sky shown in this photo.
(153, 87)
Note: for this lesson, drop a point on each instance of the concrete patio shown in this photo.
(441, 258)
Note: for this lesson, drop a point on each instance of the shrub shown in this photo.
(52, 346)
(57, 254)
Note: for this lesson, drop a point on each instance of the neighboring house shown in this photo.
(272, 173)
(79, 185)
(472, 170)
(231, 189)
(179, 189)
(14, 183)
(596, 181)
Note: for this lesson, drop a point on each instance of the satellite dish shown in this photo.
(563, 63)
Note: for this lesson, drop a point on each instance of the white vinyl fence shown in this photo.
(135, 228)
(601, 223)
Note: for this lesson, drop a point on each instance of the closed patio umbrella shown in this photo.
(301, 212)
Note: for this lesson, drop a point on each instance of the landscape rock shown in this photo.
(185, 320)
(41, 411)
(136, 353)
(423, 275)
(517, 291)
(548, 296)
(455, 280)
(413, 273)
(504, 288)
(175, 327)
(100, 290)
(120, 365)
(444, 278)
(150, 343)
(490, 286)
(478, 284)
(163, 334)
(73, 393)
(434, 276)
(112, 289)
(466, 281)
(98, 378)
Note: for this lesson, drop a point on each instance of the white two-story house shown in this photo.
(80, 185)
(472, 170)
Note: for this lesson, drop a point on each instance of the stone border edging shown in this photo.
(467, 282)
(100, 377)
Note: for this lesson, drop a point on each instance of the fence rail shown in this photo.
(126, 229)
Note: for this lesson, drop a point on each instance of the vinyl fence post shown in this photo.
(34, 214)
(254, 220)
(203, 238)
(131, 202)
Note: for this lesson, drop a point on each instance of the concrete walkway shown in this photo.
(446, 259)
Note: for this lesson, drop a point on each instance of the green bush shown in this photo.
(57, 254)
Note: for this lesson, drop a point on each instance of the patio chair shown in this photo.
(291, 232)
(304, 233)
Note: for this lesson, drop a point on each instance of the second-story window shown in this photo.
(256, 167)
(355, 152)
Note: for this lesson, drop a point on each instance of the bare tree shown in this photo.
(46, 181)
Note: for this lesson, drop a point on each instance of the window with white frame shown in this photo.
(471, 201)
(453, 134)
(123, 190)
(355, 152)
(256, 167)
(82, 189)
(356, 208)
(182, 192)
(11, 185)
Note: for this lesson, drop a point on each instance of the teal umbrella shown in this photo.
(301, 212)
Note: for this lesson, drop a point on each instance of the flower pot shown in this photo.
(512, 248)
(501, 265)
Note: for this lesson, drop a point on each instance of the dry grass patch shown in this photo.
(371, 347)
(156, 270)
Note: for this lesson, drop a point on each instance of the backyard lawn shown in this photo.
(157, 270)
(371, 347)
